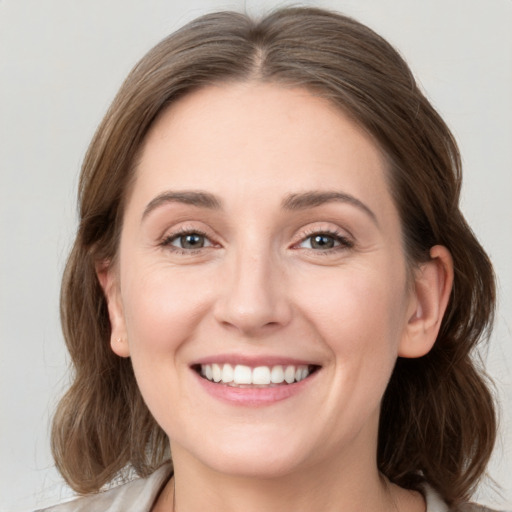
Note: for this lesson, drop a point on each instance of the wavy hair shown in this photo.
(437, 420)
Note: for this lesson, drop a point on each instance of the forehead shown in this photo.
(247, 139)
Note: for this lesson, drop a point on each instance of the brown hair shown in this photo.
(437, 420)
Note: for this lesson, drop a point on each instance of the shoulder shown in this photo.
(135, 496)
(436, 504)
(473, 507)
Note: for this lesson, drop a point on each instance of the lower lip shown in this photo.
(253, 397)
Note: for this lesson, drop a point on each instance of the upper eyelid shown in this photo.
(332, 230)
(168, 238)
(342, 234)
(166, 242)
(186, 227)
(344, 242)
(302, 233)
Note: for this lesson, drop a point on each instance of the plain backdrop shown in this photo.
(61, 62)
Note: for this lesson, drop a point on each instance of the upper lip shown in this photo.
(253, 361)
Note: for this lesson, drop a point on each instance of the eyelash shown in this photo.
(344, 242)
(169, 239)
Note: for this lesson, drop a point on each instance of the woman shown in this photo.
(272, 282)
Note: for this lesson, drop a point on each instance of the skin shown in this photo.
(259, 288)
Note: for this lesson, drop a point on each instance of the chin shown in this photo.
(248, 457)
(259, 467)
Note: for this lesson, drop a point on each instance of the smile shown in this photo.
(242, 375)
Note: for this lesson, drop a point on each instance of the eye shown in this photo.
(189, 240)
(325, 241)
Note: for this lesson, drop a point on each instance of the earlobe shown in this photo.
(109, 282)
(432, 287)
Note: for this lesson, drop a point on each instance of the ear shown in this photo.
(432, 287)
(109, 281)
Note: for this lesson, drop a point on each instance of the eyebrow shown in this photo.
(313, 199)
(301, 201)
(192, 197)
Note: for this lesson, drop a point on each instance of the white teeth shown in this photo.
(227, 373)
(217, 373)
(301, 373)
(289, 374)
(260, 376)
(242, 375)
(277, 375)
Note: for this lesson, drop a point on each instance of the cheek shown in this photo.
(358, 310)
(162, 307)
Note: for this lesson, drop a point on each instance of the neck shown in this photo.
(347, 487)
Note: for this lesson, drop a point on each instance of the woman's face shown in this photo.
(260, 243)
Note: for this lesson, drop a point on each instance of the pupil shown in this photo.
(192, 241)
(322, 242)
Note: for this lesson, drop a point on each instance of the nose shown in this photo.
(253, 297)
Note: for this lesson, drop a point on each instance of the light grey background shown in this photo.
(61, 62)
